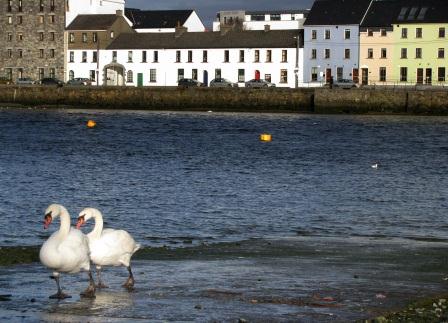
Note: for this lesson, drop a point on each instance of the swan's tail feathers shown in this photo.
(137, 246)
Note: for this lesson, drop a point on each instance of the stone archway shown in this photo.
(114, 75)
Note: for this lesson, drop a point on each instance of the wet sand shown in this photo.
(280, 280)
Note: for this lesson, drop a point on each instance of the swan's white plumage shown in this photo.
(67, 250)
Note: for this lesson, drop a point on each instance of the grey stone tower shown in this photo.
(32, 38)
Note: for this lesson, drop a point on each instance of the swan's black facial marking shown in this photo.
(81, 221)
(47, 220)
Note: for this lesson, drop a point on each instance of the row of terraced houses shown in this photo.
(368, 41)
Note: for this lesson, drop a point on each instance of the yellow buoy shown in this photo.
(91, 124)
(266, 137)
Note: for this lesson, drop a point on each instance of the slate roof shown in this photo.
(337, 12)
(381, 14)
(277, 12)
(143, 19)
(206, 40)
(92, 22)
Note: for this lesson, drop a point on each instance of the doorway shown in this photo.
(140, 79)
(205, 78)
(419, 75)
(328, 75)
(365, 76)
(355, 75)
(428, 77)
(257, 74)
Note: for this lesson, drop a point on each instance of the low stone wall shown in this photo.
(319, 100)
(217, 99)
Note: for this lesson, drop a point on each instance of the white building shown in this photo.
(91, 7)
(331, 35)
(257, 20)
(165, 21)
(161, 59)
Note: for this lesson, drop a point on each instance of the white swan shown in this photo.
(66, 251)
(108, 247)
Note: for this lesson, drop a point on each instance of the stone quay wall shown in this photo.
(323, 101)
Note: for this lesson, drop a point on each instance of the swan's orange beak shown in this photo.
(47, 220)
(80, 222)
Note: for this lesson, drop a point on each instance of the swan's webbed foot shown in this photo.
(129, 284)
(89, 292)
(60, 295)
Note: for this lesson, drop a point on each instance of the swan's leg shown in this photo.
(90, 291)
(100, 282)
(59, 294)
(129, 284)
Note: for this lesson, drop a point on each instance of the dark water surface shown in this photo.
(205, 179)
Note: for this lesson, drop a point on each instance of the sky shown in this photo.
(207, 9)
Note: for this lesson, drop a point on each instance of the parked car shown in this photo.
(220, 82)
(344, 84)
(25, 81)
(259, 83)
(79, 81)
(4, 80)
(186, 83)
(51, 81)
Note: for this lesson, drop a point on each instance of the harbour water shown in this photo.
(302, 228)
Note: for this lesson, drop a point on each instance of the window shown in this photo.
(19, 20)
(403, 74)
(327, 34)
(52, 52)
(9, 53)
(19, 36)
(84, 37)
(40, 19)
(313, 53)
(204, 56)
(112, 34)
(94, 57)
(84, 57)
(284, 56)
(241, 76)
(41, 53)
(418, 53)
(114, 56)
(347, 34)
(217, 73)
(257, 17)
(155, 56)
(404, 33)
(52, 72)
(178, 56)
(20, 72)
(180, 74)
(441, 53)
(153, 75)
(52, 7)
(144, 56)
(404, 53)
(418, 33)
(383, 32)
(41, 73)
(190, 56)
(52, 19)
(41, 5)
(20, 6)
(52, 36)
(283, 76)
(441, 74)
(347, 53)
(267, 77)
(130, 53)
(8, 72)
(92, 75)
(226, 56)
(268, 56)
(383, 52)
(327, 53)
(241, 56)
(71, 37)
(441, 32)
(20, 53)
(339, 73)
(9, 20)
(130, 77)
(382, 74)
(313, 74)
(9, 5)
(9, 36)
(370, 32)
(95, 37)
(370, 53)
(71, 57)
(314, 34)
(275, 17)
(257, 56)
(194, 74)
(71, 75)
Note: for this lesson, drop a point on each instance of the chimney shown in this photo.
(119, 13)
(179, 31)
(267, 28)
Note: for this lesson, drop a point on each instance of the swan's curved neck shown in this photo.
(98, 229)
(65, 223)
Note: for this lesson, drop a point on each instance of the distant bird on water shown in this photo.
(375, 166)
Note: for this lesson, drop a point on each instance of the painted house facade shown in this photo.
(161, 59)
(332, 40)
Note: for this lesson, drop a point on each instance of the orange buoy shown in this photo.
(91, 124)
(266, 137)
